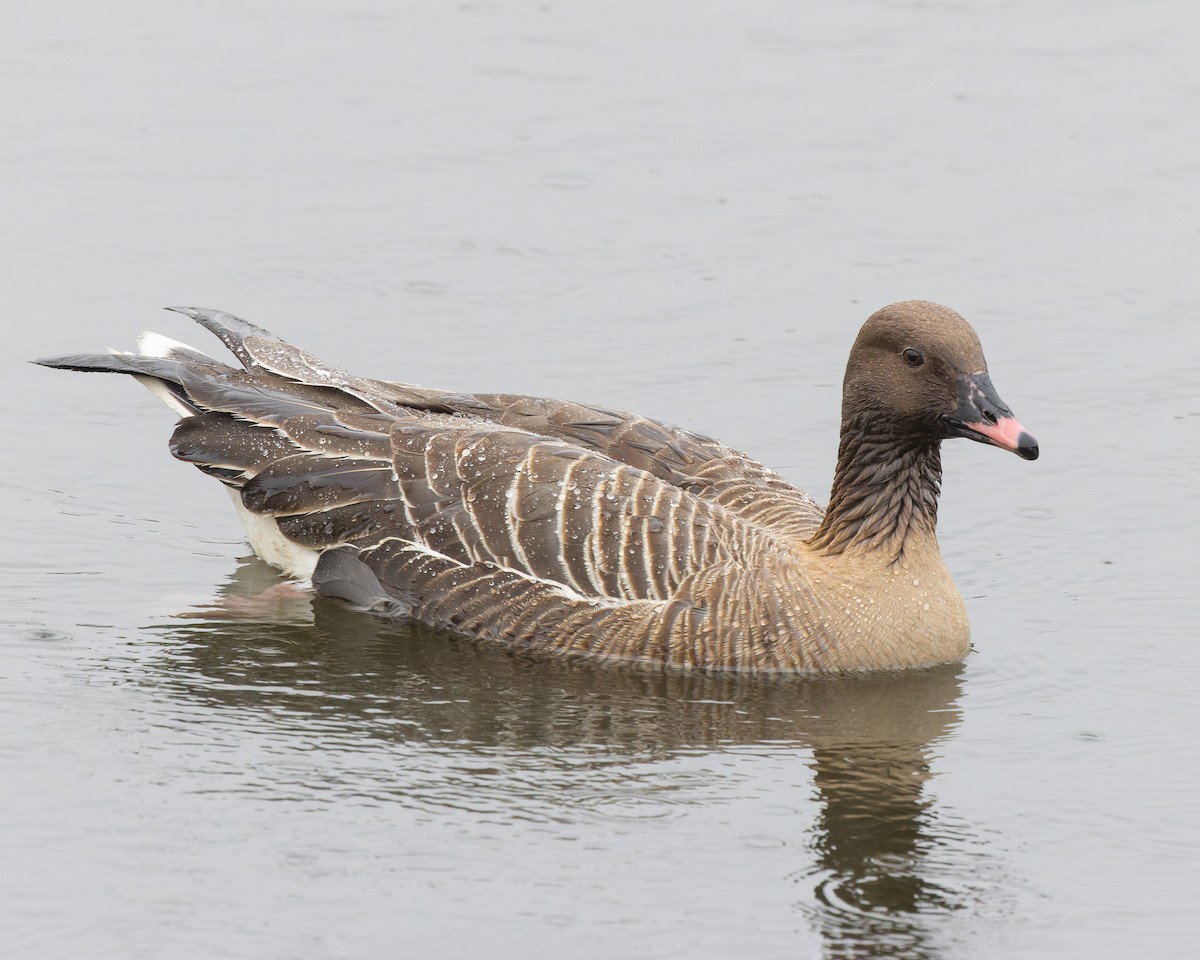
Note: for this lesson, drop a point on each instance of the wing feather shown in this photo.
(545, 524)
(710, 469)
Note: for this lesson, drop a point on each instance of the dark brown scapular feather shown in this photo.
(307, 484)
(217, 441)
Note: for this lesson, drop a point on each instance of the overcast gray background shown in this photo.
(682, 208)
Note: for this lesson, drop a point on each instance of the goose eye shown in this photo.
(914, 358)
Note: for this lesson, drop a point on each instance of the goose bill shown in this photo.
(983, 416)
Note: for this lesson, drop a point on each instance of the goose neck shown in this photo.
(885, 494)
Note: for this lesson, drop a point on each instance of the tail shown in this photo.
(233, 425)
(277, 380)
(157, 363)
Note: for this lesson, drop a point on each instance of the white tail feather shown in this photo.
(152, 344)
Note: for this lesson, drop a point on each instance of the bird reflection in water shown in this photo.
(877, 869)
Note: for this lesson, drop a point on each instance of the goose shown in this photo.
(577, 530)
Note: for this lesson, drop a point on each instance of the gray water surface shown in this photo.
(684, 209)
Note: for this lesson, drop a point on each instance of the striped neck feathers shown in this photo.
(885, 492)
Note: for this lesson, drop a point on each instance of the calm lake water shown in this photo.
(682, 208)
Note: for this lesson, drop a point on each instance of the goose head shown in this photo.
(916, 373)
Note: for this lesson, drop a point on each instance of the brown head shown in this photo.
(917, 372)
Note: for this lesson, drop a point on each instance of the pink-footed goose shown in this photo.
(572, 529)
